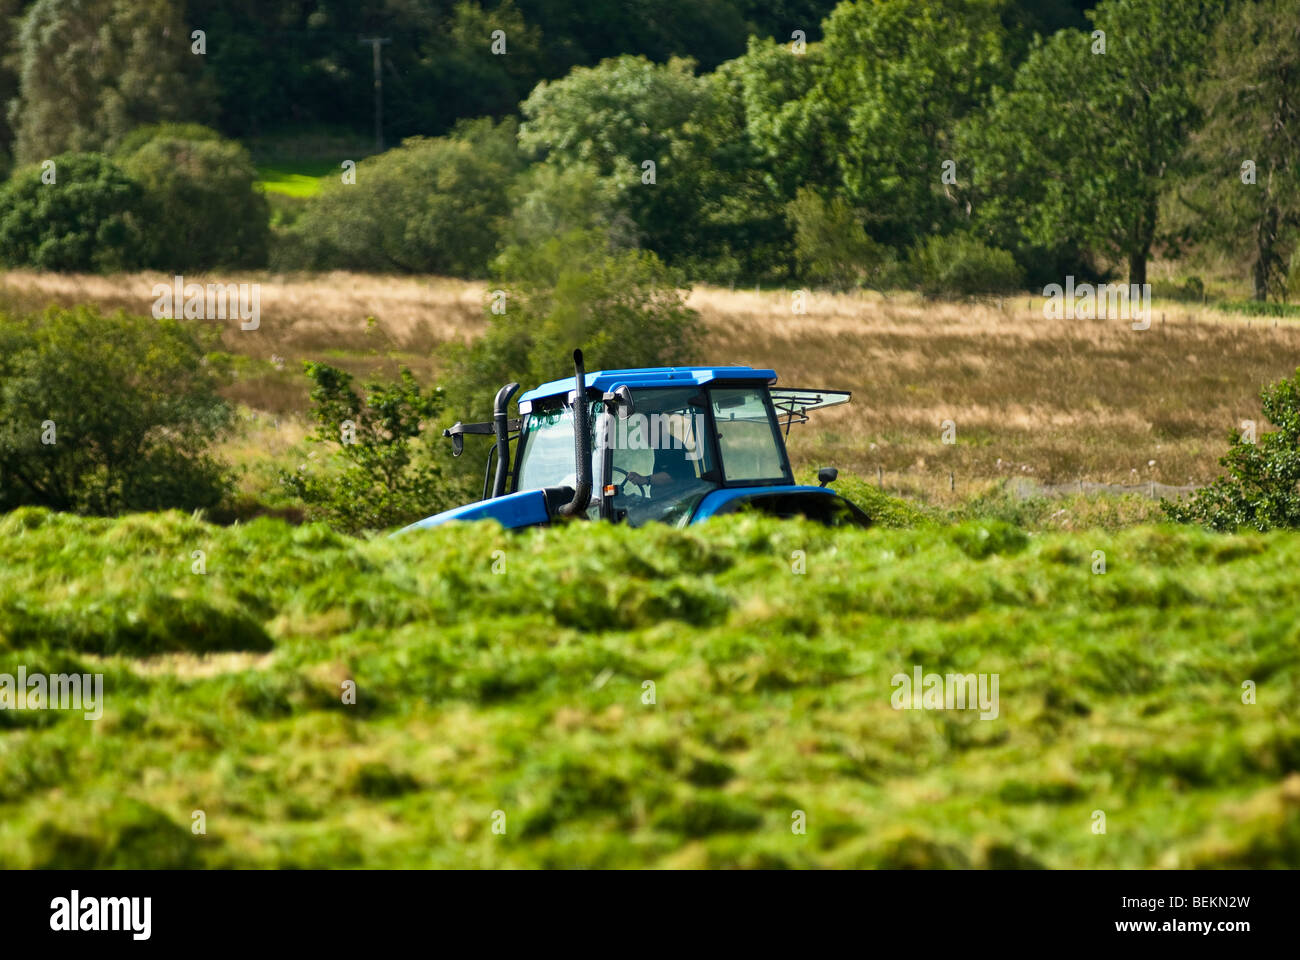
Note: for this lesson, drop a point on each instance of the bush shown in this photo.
(148, 133)
(382, 484)
(88, 218)
(202, 205)
(103, 415)
(960, 265)
(428, 206)
(831, 246)
(1260, 490)
(623, 308)
(547, 201)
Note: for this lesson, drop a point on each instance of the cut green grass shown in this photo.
(620, 698)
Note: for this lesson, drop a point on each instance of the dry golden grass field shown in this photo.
(1052, 401)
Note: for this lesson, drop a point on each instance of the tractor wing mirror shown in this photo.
(458, 430)
(827, 475)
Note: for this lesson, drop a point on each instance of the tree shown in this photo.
(8, 80)
(93, 70)
(103, 415)
(1251, 101)
(893, 79)
(1080, 147)
(202, 206)
(635, 123)
(786, 126)
(90, 216)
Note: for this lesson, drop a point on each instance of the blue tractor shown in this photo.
(675, 445)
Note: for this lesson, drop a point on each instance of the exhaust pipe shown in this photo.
(501, 427)
(581, 442)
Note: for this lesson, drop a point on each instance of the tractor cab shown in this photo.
(672, 445)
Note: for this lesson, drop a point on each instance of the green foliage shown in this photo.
(1111, 688)
(106, 414)
(428, 206)
(617, 117)
(91, 71)
(149, 132)
(961, 265)
(1253, 308)
(1260, 490)
(547, 200)
(8, 82)
(775, 88)
(896, 77)
(831, 246)
(1250, 98)
(1076, 152)
(884, 510)
(622, 308)
(384, 481)
(90, 218)
(202, 207)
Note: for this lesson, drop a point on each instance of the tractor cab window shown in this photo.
(748, 439)
(661, 461)
(547, 457)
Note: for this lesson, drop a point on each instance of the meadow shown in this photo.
(598, 696)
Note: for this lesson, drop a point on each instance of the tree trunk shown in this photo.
(1143, 236)
(1137, 266)
(1266, 258)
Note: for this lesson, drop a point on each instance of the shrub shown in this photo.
(103, 415)
(148, 133)
(382, 483)
(547, 200)
(961, 265)
(88, 218)
(1260, 490)
(831, 246)
(202, 205)
(428, 206)
(623, 308)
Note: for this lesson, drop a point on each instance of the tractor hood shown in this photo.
(524, 509)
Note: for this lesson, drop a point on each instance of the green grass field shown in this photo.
(297, 180)
(516, 698)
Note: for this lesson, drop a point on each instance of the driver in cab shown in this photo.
(674, 465)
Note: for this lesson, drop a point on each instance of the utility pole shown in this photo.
(375, 43)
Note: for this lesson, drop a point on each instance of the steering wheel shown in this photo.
(641, 487)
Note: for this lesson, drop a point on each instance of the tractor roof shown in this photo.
(645, 377)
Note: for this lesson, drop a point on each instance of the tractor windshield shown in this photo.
(547, 456)
(661, 463)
